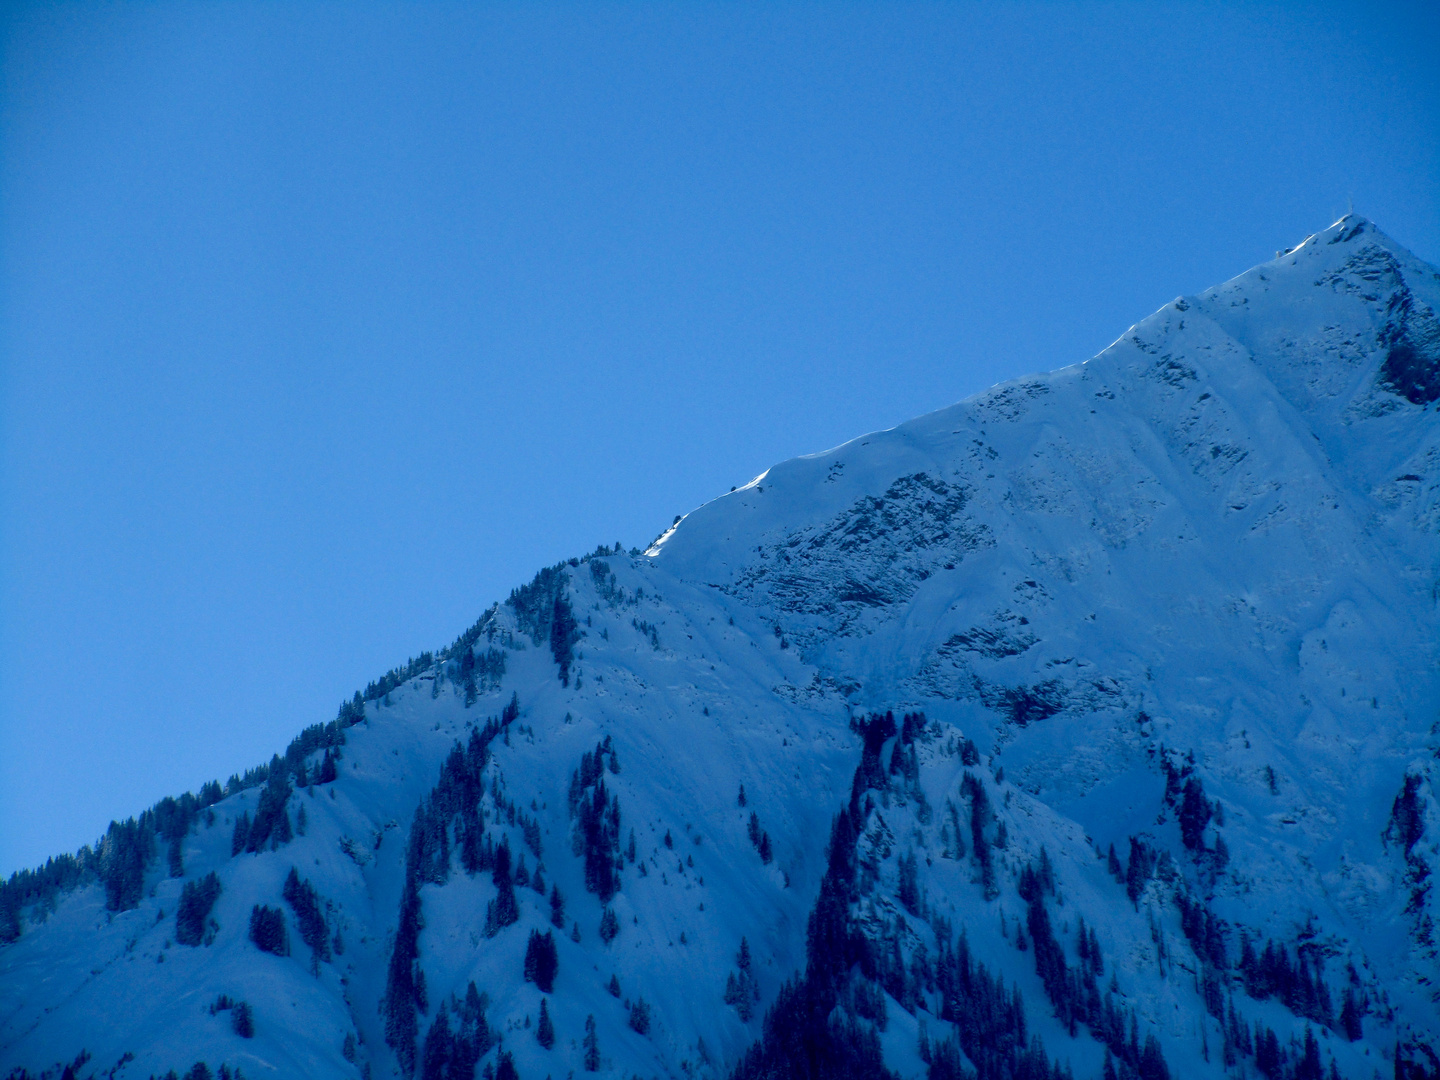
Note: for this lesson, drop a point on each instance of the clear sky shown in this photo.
(324, 325)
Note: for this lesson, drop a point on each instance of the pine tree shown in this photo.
(1309, 1067)
(271, 821)
(242, 1020)
(473, 1038)
(124, 853)
(592, 1045)
(305, 902)
(401, 983)
(542, 961)
(564, 632)
(1152, 1061)
(640, 1017)
(545, 1029)
(267, 930)
(197, 899)
(909, 888)
(503, 911)
(741, 990)
(436, 1058)
(557, 907)
(609, 925)
(1195, 813)
(1350, 1016)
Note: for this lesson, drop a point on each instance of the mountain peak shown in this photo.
(1134, 662)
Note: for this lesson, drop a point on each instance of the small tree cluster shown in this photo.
(609, 925)
(980, 816)
(1195, 814)
(1140, 869)
(1203, 930)
(639, 1019)
(504, 910)
(592, 1045)
(125, 851)
(564, 633)
(242, 1020)
(272, 821)
(873, 730)
(557, 907)
(759, 838)
(908, 888)
(477, 673)
(741, 990)
(173, 818)
(404, 980)
(597, 823)
(542, 961)
(1299, 985)
(305, 902)
(267, 930)
(904, 761)
(197, 899)
(534, 603)
(449, 1052)
(455, 798)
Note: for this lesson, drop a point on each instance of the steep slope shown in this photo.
(1178, 603)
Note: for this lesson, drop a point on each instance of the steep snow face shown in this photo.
(1218, 537)
(1180, 599)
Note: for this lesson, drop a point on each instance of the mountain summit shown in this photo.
(1088, 727)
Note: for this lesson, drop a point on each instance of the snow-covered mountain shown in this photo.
(1090, 724)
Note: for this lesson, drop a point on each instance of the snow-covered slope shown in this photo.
(1180, 600)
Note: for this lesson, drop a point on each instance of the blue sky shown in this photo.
(322, 325)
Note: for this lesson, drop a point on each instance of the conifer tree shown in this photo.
(592, 1045)
(503, 910)
(197, 899)
(124, 853)
(305, 902)
(242, 1020)
(401, 989)
(241, 836)
(436, 1058)
(557, 907)
(267, 930)
(609, 925)
(545, 1029)
(640, 1017)
(1195, 813)
(542, 961)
